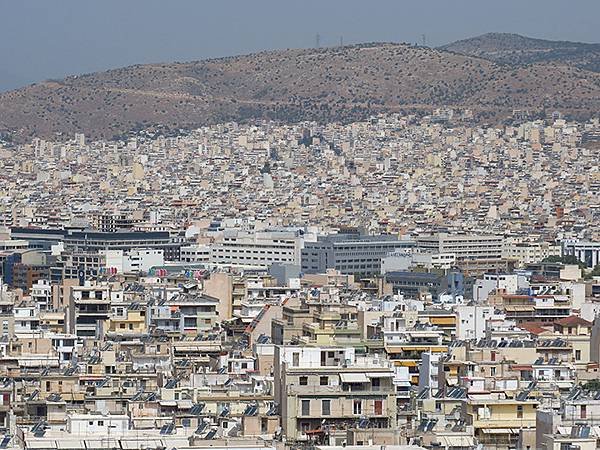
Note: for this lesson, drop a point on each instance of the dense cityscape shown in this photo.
(316, 225)
(400, 282)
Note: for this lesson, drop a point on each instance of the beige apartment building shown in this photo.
(326, 391)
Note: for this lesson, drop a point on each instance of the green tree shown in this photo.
(568, 259)
(595, 272)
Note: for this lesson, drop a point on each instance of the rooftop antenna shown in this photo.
(424, 39)
(341, 41)
(318, 40)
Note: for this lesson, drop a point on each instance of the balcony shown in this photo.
(339, 390)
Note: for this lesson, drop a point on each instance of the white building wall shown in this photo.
(142, 260)
(471, 321)
(114, 259)
(428, 372)
(260, 249)
(195, 253)
(101, 425)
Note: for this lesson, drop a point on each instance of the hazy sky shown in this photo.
(41, 39)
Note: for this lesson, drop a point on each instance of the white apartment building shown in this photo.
(471, 321)
(68, 346)
(257, 249)
(142, 259)
(27, 319)
(195, 253)
(490, 282)
(428, 371)
(41, 295)
(134, 260)
(464, 246)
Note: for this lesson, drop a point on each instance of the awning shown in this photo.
(403, 383)
(353, 378)
(497, 431)
(102, 443)
(173, 442)
(185, 404)
(456, 441)
(380, 374)
(167, 403)
(31, 443)
(139, 443)
(70, 444)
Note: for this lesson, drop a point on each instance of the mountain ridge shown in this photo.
(325, 84)
(516, 49)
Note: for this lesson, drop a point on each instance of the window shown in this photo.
(306, 407)
(492, 371)
(583, 411)
(357, 407)
(295, 359)
(323, 381)
(519, 411)
(326, 407)
(303, 381)
(375, 383)
(189, 322)
(578, 355)
(101, 423)
(378, 407)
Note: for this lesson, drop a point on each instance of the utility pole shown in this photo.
(318, 41)
(341, 41)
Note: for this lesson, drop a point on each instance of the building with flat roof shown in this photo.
(257, 249)
(328, 390)
(474, 252)
(349, 253)
(586, 252)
